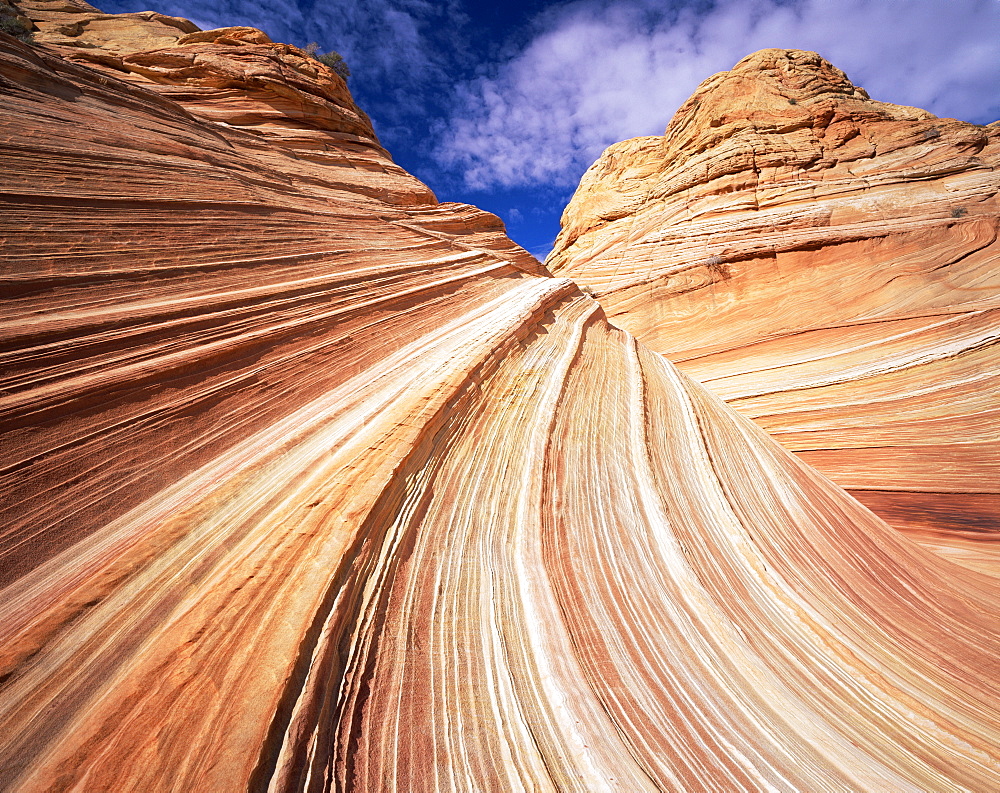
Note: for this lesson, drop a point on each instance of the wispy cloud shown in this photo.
(596, 72)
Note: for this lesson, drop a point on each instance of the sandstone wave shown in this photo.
(312, 483)
(828, 265)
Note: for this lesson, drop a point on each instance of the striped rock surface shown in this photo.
(828, 265)
(311, 483)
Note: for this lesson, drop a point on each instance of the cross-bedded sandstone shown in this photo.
(312, 483)
(828, 265)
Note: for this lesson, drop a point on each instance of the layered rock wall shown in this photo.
(827, 264)
(312, 483)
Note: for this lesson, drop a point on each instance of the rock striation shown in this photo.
(312, 483)
(828, 265)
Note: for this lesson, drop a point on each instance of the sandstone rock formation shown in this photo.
(827, 264)
(312, 483)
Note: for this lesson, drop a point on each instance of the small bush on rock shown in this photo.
(13, 26)
(332, 59)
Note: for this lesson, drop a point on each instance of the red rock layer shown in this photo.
(309, 485)
(828, 265)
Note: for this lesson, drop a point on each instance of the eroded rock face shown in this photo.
(313, 483)
(298, 108)
(828, 265)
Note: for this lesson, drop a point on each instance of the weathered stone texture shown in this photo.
(312, 483)
(828, 265)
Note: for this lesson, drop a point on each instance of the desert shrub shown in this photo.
(332, 59)
(336, 62)
(958, 212)
(12, 26)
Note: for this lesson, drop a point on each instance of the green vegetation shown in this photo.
(13, 26)
(332, 59)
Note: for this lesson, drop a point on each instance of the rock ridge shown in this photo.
(310, 482)
(828, 264)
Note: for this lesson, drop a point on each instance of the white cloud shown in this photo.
(598, 71)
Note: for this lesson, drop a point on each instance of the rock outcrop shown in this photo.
(312, 483)
(827, 264)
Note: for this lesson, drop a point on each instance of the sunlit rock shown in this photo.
(312, 483)
(828, 265)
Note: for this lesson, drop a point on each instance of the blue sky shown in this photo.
(505, 105)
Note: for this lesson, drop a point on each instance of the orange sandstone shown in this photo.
(312, 483)
(828, 265)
